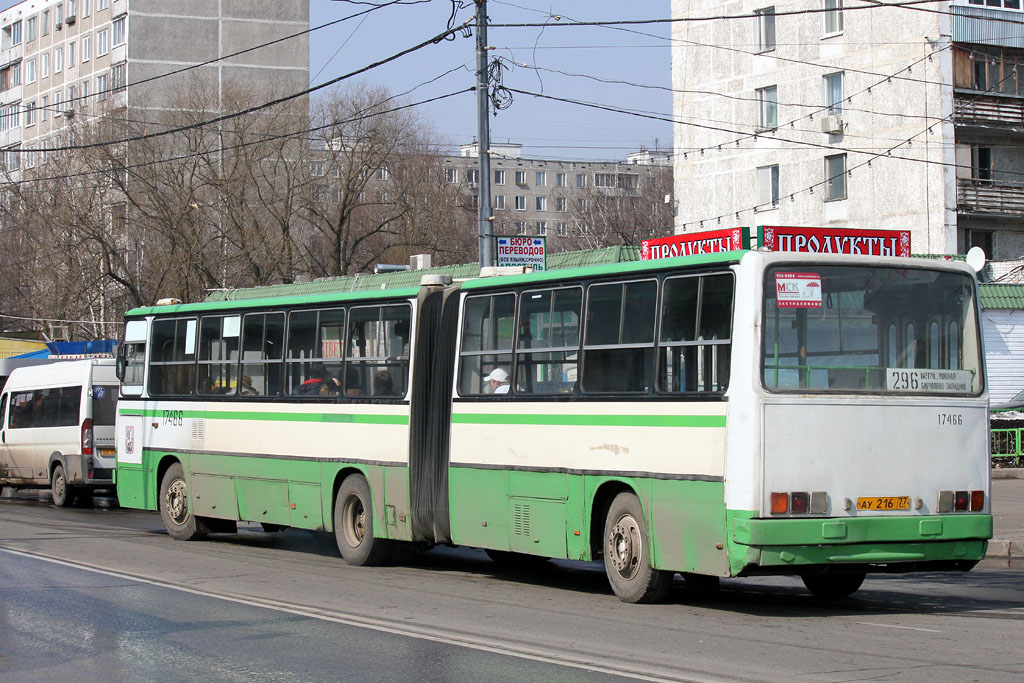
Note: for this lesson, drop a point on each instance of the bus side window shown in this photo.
(696, 325)
(262, 355)
(618, 348)
(3, 412)
(488, 326)
(172, 367)
(547, 348)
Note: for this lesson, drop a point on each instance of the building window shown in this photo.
(30, 156)
(560, 204)
(30, 71)
(542, 227)
(101, 87)
(981, 162)
(604, 180)
(542, 203)
(12, 158)
(30, 113)
(102, 4)
(85, 93)
(768, 107)
(45, 65)
(473, 176)
(499, 177)
(102, 42)
(581, 229)
(71, 9)
(118, 28)
(520, 177)
(581, 205)
(58, 60)
(561, 229)
(46, 22)
(10, 116)
(520, 227)
(561, 180)
(118, 82)
(835, 177)
(12, 35)
(520, 203)
(58, 97)
(86, 9)
(765, 29)
(451, 175)
(833, 16)
(30, 29)
(768, 187)
(628, 182)
(499, 202)
(542, 179)
(581, 180)
(45, 113)
(86, 48)
(834, 93)
(10, 77)
(71, 54)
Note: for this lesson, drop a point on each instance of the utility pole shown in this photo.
(485, 218)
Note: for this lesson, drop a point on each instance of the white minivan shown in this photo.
(57, 427)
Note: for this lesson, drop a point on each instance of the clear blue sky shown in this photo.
(547, 129)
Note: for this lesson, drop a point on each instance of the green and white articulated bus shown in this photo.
(720, 415)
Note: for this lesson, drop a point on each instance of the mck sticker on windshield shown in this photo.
(798, 290)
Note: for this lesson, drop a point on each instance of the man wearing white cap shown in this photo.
(499, 381)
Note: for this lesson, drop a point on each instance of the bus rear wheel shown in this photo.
(627, 557)
(60, 489)
(833, 585)
(353, 525)
(175, 512)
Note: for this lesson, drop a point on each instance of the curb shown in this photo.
(1004, 554)
(1008, 473)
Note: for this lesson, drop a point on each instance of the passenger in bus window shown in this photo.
(353, 384)
(313, 385)
(498, 380)
(383, 385)
(247, 389)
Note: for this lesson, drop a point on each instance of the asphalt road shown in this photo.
(104, 594)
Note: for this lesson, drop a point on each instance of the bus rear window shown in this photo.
(867, 329)
(104, 405)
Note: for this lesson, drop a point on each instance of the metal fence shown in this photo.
(1006, 443)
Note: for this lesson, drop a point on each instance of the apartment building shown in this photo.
(861, 116)
(67, 59)
(560, 199)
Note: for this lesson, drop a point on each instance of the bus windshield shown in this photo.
(870, 329)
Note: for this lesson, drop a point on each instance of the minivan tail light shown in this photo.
(87, 436)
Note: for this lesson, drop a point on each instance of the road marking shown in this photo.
(422, 633)
(905, 628)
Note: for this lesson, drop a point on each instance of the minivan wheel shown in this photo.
(60, 489)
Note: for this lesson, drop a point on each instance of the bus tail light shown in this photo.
(800, 503)
(780, 503)
(961, 501)
(87, 436)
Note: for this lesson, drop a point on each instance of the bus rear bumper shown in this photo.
(885, 544)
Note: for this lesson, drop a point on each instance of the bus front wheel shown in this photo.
(178, 519)
(833, 585)
(627, 557)
(353, 525)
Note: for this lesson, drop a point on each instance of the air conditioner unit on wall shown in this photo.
(70, 19)
(831, 124)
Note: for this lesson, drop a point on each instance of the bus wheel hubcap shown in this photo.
(624, 546)
(58, 485)
(175, 501)
(355, 516)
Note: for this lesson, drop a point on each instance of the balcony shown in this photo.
(989, 197)
(987, 112)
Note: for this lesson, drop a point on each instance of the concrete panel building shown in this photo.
(65, 58)
(853, 116)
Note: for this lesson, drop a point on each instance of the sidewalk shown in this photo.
(1006, 549)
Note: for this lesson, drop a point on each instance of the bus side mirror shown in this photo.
(120, 364)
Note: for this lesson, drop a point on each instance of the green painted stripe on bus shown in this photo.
(331, 418)
(591, 420)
